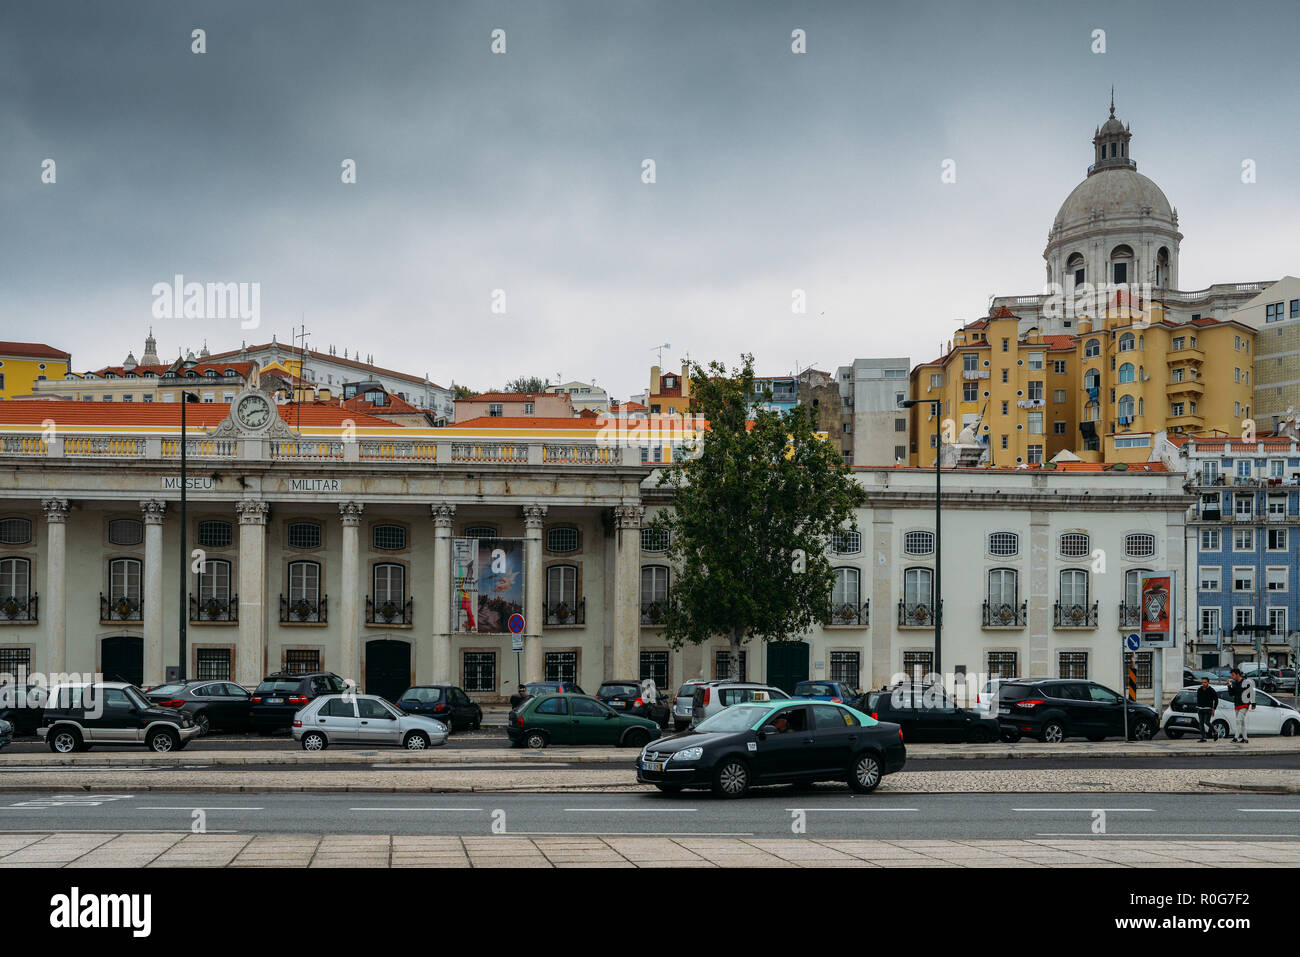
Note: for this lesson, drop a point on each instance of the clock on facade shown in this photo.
(253, 412)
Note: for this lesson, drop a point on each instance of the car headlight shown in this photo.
(687, 754)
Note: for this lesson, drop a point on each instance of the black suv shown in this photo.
(1053, 709)
(626, 696)
(78, 717)
(280, 696)
(929, 715)
(214, 705)
(446, 703)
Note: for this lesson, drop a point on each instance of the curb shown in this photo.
(1247, 787)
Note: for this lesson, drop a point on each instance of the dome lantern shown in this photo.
(1110, 144)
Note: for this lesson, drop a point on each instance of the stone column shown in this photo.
(627, 592)
(152, 596)
(443, 516)
(55, 605)
(886, 586)
(534, 592)
(250, 652)
(350, 581)
(1042, 596)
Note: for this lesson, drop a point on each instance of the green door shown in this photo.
(787, 664)
(552, 716)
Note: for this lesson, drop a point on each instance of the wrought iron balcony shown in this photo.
(847, 613)
(18, 608)
(919, 615)
(303, 610)
(1074, 616)
(388, 612)
(1005, 615)
(561, 613)
(1130, 616)
(120, 608)
(654, 612)
(214, 609)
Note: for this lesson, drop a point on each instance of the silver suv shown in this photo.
(714, 696)
(684, 703)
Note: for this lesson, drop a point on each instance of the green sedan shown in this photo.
(576, 719)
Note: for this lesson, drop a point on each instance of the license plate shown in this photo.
(275, 701)
(652, 766)
(1004, 710)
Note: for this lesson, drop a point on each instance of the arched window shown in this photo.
(1126, 373)
(1004, 543)
(304, 535)
(304, 602)
(480, 531)
(15, 531)
(1074, 588)
(1125, 409)
(388, 538)
(212, 592)
(1133, 595)
(1003, 596)
(1091, 349)
(1139, 545)
(1121, 262)
(1076, 269)
(125, 531)
(1127, 342)
(215, 534)
(1075, 545)
(918, 543)
(917, 587)
(562, 539)
(846, 597)
(846, 542)
(124, 581)
(655, 539)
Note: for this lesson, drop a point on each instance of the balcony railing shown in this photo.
(1005, 615)
(1208, 635)
(18, 608)
(1130, 616)
(848, 613)
(120, 608)
(388, 612)
(919, 615)
(214, 609)
(303, 610)
(1074, 616)
(654, 612)
(561, 613)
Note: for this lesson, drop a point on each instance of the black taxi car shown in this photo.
(775, 742)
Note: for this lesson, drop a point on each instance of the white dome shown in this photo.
(1118, 194)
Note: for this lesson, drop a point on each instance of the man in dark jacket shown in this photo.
(519, 697)
(1207, 699)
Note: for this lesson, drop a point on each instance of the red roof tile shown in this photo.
(242, 368)
(297, 351)
(165, 414)
(34, 350)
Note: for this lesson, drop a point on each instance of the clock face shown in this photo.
(253, 412)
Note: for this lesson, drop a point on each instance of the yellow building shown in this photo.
(22, 364)
(669, 394)
(1101, 394)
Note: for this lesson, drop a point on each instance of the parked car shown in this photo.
(280, 696)
(629, 697)
(711, 697)
(1193, 677)
(575, 719)
(1286, 680)
(536, 688)
(6, 732)
(79, 716)
(1263, 675)
(22, 706)
(775, 742)
(446, 703)
(839, 692)
(364, 719)
(1053, 709)
(986, 698)
(219, 705)
(930, 715)
(1270, 716)
(684, 703)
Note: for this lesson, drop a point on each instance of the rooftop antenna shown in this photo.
(301, 333)
(660, 350)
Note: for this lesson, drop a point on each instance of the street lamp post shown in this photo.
(186, 399)
(936, 405)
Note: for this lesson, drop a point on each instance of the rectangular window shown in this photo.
(562, 666)
(918, 664)
(1006, 373)
(654, 667)
(970, 362)
(213, 664)
(969, 392)
(1276, 578)
(900, 425)
(494, 409)
(1036, 391)
(1243, 539)
(1058, 428)
(1058, 366)
(1058, 396)
(1211, 577)
(13, 659)
(722, 665)
(480, 668)
(1035, 361)
(1277, 622)
(1034, 423)
(936, 380)
(846, 666)
(1002, 664)
(1006, 345)
(1072, 664)
(1005, 406)
(1243, 578)
(1210, 622)
(1243, 617)
(1210, 540)
(1277, 539)
(1144, 668)
(301, 661)
(1035, 454)
(900, 453)
(1004, 441)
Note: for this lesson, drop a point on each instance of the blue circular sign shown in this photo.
(516, 624)
(1134, 642)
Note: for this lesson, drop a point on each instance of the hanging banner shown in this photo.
(487, 584)
(1159, 610)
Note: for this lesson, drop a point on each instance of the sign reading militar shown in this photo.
(487, 583)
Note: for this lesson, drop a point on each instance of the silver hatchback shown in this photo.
(364, 719)
(714, 696)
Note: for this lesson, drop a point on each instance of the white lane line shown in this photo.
(1269, 810)
(1088, 810)
(631, 810)
(478, 809)
(200, 808)
(873, 810)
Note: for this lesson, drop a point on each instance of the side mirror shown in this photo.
(768, 729)
(610, 714)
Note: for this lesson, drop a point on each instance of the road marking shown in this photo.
(631, 810)
(1087, 810)
(871, 809)
(1269, 810)
(199, 808)
(479, 809)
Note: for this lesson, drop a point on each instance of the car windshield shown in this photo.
(168, 690)
(423, 695)
(278, 687)
(815, 689)
(739, 718)
(137, 697)
(685, 691)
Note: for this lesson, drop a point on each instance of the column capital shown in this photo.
(443, 515)
(252, 511)
(533, 515)
(350, 513)
(153, 510)
(56, 510)
(629, 516)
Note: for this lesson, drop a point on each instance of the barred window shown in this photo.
(1072, 664)
(301, 661)
(12, 659)
(304, 535)
(215, 534)
(125, 531)
(846, 542)
(1144, 669)
(388, 538)
(1140, 545)
(212, 664)
(562, 666)
(15, 531)
(1075, 545)
(480, 671)
(722, 666)
(480, 531)
(1002, 664)
(919, 543)
(846, 666)
(655, 539)
(654, 666)
(918, 664)
(562, 539)
(1004, 543)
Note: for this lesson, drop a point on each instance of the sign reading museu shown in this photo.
(208, 483)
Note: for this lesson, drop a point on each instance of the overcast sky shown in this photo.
(523, 171)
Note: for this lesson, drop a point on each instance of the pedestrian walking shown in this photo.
(1242, 691)
(519, 697)
(1207, 699)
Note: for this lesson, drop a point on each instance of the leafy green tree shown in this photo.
(754, 507)
(463, 392)
(530, 383)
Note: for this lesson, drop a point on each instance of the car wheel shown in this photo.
(416, 741)
(731, 779)
(1143, 730)
(637, 738)
(314, 741)
(535, 740)
(1010, 736)
(162, 741)
(1053, 733)
(1291, 728)
(1220, 729)
(201, 719)
(64, 741)
(865, 775)
(1171, 732)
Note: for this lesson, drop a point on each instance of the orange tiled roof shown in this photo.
(396, 405)
(34, 350)
(204, 415)
(242, 368)
(510, 396)
(325, 356)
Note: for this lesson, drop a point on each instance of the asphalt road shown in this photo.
(770, 812)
